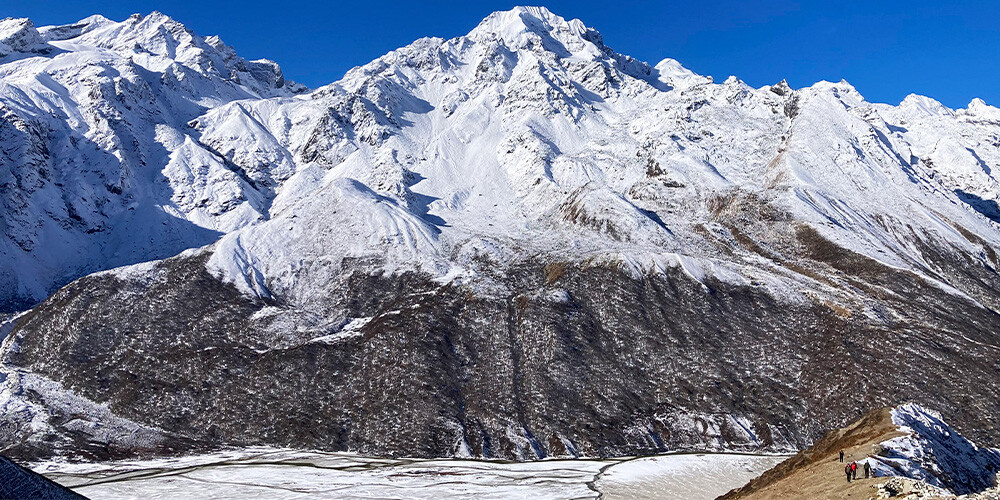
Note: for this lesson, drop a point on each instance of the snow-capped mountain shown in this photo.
(525, 243)
(99, 167)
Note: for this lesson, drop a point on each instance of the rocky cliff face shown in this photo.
(519, 243)
(555, 360)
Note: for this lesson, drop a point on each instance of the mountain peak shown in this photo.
(925, 105)
(519, 27)
(518, 19)
(978, 107)
(671, 72)
(154, 20)
(18, 35)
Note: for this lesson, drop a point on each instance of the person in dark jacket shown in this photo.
(841, 456)
(868, 469)
(847, 469)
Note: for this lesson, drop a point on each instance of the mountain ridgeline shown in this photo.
(515, 244)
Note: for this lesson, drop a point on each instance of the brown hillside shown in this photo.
(817, 473)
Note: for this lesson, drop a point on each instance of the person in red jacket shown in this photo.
(854, 470)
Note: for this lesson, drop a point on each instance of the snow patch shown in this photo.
(351, 329)
(934, 453)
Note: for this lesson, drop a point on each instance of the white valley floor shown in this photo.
(686, 476)
(291, 474)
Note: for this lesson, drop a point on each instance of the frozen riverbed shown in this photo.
(292, 474)
(687, 476)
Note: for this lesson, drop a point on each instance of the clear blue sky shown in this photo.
(887, 49)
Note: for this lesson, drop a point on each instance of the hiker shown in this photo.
(841, 456)
(854, 470)
(847, 469)
(868, 469)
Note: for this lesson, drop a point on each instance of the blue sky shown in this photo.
(887, 49)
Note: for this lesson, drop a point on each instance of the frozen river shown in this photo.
(291, 474)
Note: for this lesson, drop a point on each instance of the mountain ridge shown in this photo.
(514, 25)
(529, 244)
(89, 112)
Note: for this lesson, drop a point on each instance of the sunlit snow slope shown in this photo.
(98, 166)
